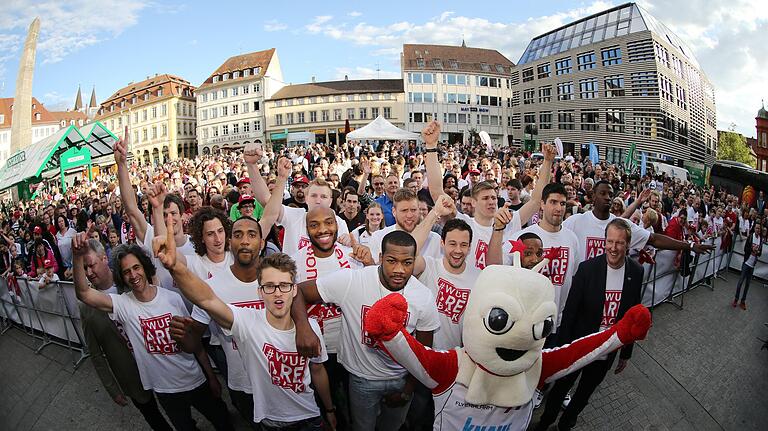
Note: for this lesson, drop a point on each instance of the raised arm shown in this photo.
(430, 135)
(252, 155)
(545, 174)
(127, 195)
(495, 255)
(273, 210)
(91, 297)
(366, 165)
(307, 343)
(193, 288)
(641, 198)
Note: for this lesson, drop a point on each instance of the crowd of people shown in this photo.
(260, 266)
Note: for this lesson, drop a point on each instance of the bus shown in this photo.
(738, 179)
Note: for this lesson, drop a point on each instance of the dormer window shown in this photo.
(159, 92)
(225, 77)
(236, 74)
(146, 96)
(37, 116)
(215, 78)
(485, 67)
(247, 72)
(420, 62)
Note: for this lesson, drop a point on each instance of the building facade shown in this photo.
(613, 79)
(44, 123)
(231, 111)
(464, 88)
(760, 144)
(321, 110)
(160, 115)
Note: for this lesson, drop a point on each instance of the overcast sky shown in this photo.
(109, 43)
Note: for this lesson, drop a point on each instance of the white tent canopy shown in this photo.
(380, 128)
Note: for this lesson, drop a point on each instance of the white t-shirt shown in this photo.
(280, 377)
(163, 367)
(590, 232)
(562, 267)
(239, 294)
(204, 268)
(355, 292)
(614, 285)
(481, 237)
(309, 267)
(451, 292)
(294, 220)
(164, 278)
(431, 246)
(361, 235)
(453, 412)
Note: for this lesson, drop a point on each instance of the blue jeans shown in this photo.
(368, 411)
(746, 277)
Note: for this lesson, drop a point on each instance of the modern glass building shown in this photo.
(615, 78)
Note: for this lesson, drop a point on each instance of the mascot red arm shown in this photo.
(491, 380)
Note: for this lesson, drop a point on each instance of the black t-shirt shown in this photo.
(291, 200)
(355, 222)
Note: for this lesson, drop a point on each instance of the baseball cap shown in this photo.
(246, 199)
(48, 263)
(474, 172)
(72, 207)
(244, 180)
(38, 230)
(301, 179)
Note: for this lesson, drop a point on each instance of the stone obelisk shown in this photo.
(21, 125)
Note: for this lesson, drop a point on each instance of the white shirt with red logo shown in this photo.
(590, 232)
(309, 267)
(163, 367)
(430, 248)
(280, 377)
(204, 268)
(481, 237)
(562, 245)
(294, 220)
(355, 292)
(614, 285)
(451, 292)
(239, 294)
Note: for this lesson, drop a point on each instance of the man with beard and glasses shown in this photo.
(236, 285)
(380, 390)
(590, 227)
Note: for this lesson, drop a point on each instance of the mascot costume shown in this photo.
(490, 382)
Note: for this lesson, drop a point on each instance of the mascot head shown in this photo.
(510, 313)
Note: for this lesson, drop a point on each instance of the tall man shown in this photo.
(380, 390)
(110, 350)
(603, 289)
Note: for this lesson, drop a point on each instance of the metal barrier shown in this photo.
(49, 314)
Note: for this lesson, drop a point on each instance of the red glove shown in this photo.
(634, 325)
(385, 319)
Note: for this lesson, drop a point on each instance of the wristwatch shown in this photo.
(430, 150)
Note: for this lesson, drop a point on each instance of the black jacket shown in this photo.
(584, 306)
(748, 245)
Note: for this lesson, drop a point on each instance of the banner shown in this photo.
(629, 161)
(594, 155)
(643, 163)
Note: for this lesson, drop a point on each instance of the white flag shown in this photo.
(559, 146)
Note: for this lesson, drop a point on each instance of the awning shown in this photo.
(100, 140)
(379, 129)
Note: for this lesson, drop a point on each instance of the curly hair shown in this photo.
(197, 222)
(119, 253)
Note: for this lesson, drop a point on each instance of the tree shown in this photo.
(733, 146)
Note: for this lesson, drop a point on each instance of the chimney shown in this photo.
(346, 77)
(313, 79)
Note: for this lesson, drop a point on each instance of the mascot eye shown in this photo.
(543, 329)
(498, 321)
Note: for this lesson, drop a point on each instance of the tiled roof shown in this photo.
(239, 63)
(69, 115)
(172, 86)
(455, 58)
(5, 109)
(340, 87)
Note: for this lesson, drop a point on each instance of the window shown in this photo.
(247, 72)
(204, 114)
(136, 135)
(454, 64)
(224, 94)
(565, 91)
(563, 66)
(256, 105)
(529, 118)
(257, 126)
(614, 86)
(165, 130)
(666, 88)
(246, 127)
(437, 63)
(289, 118)
(312, 116)
(224, 110)
(682, 100)
(363, 113)
(374, 112)
(163, 110)
(236, 74)
(484, 67)
(588, 88)
(225, 129)
(545, 94)
(324, 115)
(565, 120)
(144, 134)
(214, 113)
(135, 117)
(452, 79)
(387, 112)
(543, 71)
(234, 91)
(154, 132)
(256, 87)
(350, 98)
(144, 115)
(545, 120)
(337, 115)
(300, 116)
(589, 120)
(499, 68)
(586, 61)
(37, 117)
(146, 96)
(215, 131)
(214, 95)
(289, 102)
(528, 96)
(245, 108)
(420, 63)
(246, 89)
(614, 120)
(236, 128)
(278, 120)
(350, 113)
(611, 56)
(528, 74)
(159, 92)
(421, 78)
